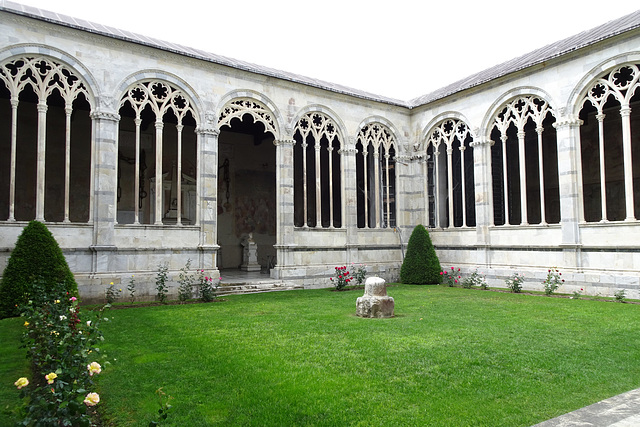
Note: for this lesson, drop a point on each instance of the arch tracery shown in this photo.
(609, 164)
(450, 188)
(376, 148)
(317, 171)
(527, 143)
(170, 110)
(46, 91)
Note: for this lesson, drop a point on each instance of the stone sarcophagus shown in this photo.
(375, 302)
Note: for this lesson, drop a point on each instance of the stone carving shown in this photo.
(375, 302)
(249, 254)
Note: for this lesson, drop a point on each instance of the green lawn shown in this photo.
(450, 357)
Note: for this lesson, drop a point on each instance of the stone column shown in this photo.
(159, 205)
(41, 159)
(350, 197)
(543, 214)
(463, 184)
(603, 181)
(568, 137)
(12, 176)
(483, 194)
(67, 158)
(625, 112)
(208, 193)
(505, 183)
(284, 205)
(105, 134)
(523, 179)
(450, 184)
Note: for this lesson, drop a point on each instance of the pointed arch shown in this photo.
(317, 170)
(376, 150)
(240, 102)
(608, 106)
(158, 117)
(43, 86)
(524, 164)
(450, 179)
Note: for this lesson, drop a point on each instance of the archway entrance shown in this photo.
(246, 192)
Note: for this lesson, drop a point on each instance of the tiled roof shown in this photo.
(92, 27)
(553, 50)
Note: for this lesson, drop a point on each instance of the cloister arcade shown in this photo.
(190, 159)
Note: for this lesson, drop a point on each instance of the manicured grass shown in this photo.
(13, 365)
(451, 356)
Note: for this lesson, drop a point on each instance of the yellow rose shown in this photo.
(50, 377)
(26, 323)
(92, 399)
(22, 382)
(94, 368)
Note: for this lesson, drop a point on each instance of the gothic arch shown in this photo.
(607, 102)
(47, 166)
(376, 152)
(235, 105)
(318, 178)
(524, 158)
(384, 121)
(158, 118)
(500, 102)
(144, 76)
(335, 118)
(575, 99)
(449, 178)
(55, 55)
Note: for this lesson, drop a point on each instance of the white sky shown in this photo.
(400, 49)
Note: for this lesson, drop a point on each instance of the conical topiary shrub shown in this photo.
(36, 255)
(421, 265)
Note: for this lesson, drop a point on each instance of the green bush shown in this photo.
(421, 265)
(36, 256)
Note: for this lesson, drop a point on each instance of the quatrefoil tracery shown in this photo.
(44, 76)
(160, 96)
(620, 83)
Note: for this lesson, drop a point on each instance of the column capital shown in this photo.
(290, 142)
(568, 120)
(205, 130)
(347, 150)
(477, 142)
(110, 116)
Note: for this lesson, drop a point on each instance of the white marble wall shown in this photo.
(602, 257)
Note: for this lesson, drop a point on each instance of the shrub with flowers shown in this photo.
(161, 282)
(451, 277)
(342, 278)
(185, 282)
(207, 286)
(360, 273)
(577, 294)
(515, 282)
(112, 293)
(553, 281)
(131, 287)
(63, 352)
(475, 279)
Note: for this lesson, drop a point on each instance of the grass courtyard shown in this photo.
(450, 357)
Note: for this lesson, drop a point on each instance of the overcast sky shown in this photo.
(396, 48)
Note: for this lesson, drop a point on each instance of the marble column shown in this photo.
(105, 134)
(207, 135)
(483, 196)
(568, 137)
(284, 205)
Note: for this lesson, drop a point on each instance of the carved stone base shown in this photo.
(375, 302)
